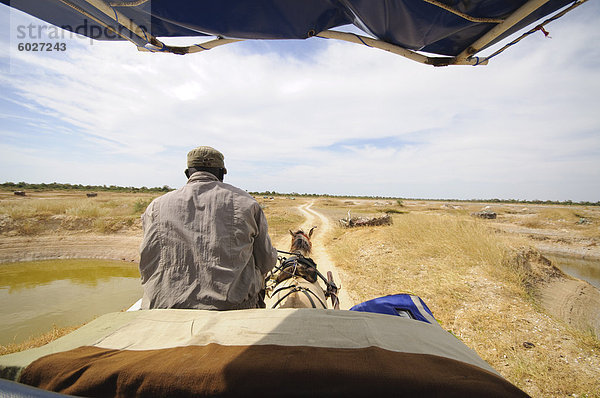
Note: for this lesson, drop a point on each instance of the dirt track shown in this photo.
(320, 254)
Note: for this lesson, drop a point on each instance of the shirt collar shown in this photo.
(202, 176)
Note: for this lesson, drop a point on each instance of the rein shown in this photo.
(308, 262)
(294, 289)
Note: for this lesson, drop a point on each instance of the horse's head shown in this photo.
(301, 242)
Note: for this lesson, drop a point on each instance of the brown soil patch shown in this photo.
(114, 247)
(574, 301)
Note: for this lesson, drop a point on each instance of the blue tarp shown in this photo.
(404, 305)
(412, 24)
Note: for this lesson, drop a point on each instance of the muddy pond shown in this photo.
(587, 270)
(37, 295)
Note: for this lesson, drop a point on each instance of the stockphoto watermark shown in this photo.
(40, 39)
(59, 32)
(53, 38)
(43, 38)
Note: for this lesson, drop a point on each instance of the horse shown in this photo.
(294, 283)
(301, 243)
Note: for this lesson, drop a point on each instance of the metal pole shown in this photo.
(497, 30)
(367, 41)
(196, 48)
(122, 20)
(382, 45)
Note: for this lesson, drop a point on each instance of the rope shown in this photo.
(117, 17)
(539, 27)
(284, 252)
(362, 41)
(145, 37)
(127, 3)
(462, 14)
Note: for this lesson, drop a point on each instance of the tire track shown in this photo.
(319, 252)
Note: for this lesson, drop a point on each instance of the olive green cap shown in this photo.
(205, 156)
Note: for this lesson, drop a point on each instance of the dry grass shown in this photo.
(282, 215)
(463, 272)
(108, 213)
(559, 217)
(415, 250)
(37, 341)
(49, 212)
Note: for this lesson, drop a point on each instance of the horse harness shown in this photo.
(306, 268)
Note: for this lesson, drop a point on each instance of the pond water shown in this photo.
(39, 294)
(587, 270)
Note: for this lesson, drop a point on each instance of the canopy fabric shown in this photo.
(442, 27)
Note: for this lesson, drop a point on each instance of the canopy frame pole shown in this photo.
(88, 15)
(382, 45)
(196, 48)
(497, 30)
(152, 43)
(114, 16)
(126, 22)
(574, 5)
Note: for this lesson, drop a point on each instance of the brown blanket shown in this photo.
(260, 370)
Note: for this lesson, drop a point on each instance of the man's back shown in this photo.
(205, 246)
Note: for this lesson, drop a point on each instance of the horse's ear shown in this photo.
(291, 233)
(311, 231)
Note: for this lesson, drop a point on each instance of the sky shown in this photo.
(311, 116)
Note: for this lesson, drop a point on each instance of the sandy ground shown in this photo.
(320, 255)
(115, 247)
(574, 301)
(559, 242)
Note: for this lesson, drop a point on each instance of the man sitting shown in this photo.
(206, 245)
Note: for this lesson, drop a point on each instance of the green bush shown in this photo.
(139, 206)
(393, 211)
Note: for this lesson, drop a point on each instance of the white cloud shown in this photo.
(347, 119)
